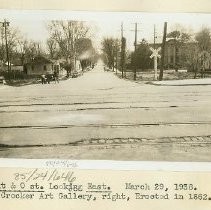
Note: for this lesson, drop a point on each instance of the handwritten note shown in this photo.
(53, 188)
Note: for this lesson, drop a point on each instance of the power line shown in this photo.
(136, 35)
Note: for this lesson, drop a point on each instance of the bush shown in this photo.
(17, 75)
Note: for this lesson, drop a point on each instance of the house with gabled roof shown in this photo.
(41, 65)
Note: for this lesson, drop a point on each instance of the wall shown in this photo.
(39, 69)
(17, 68)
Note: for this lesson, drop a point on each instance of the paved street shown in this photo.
(99, 116)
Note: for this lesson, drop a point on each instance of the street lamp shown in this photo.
(5, 24)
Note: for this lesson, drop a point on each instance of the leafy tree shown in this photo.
(198, 56)
(83, 44)
(174, 35)
(179, 40)
(66, 34)
(192, 58)
(52, 48)
(85, 52)
(204, 40)
(108, 48)
(141, 57)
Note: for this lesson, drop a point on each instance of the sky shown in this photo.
(32, 24)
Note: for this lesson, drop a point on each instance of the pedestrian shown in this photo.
(43, 79)
(48, 78)
(56, 76)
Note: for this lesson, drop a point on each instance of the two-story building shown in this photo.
(176, 55)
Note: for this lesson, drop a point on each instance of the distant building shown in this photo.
(176, 56)
(78, 66)
(41, 65)
(16, 66)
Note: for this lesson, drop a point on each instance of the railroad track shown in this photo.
(192, 140)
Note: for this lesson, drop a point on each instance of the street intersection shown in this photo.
(100, 116)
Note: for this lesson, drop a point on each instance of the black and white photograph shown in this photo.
(105, 85)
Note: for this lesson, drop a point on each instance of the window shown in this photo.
(32, 67)
(44, 67)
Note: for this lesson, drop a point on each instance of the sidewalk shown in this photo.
(186, 82)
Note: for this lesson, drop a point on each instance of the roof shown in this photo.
(40, 60)
(171, 42)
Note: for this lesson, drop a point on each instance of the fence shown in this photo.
(16, 75)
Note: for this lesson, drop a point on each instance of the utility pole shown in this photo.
(123, 45)
(122, 35)
(163, 51)
(5, 24)
(135, 48)
(123, 56)
(135, 43)
(116, 55)
(122, 29)
(155, 36)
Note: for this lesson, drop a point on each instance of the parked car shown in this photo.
(88, 68)
(76, 74)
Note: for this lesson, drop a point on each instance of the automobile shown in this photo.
(75, 74)
(49, 78)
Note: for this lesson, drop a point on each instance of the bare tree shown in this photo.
(179, 39)
(22, 49)
(27, 50)
(13, 35)
(66, 34)
(203, 38)
(33, 50)
(109, 48)
(2, 48)
(52, 48)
